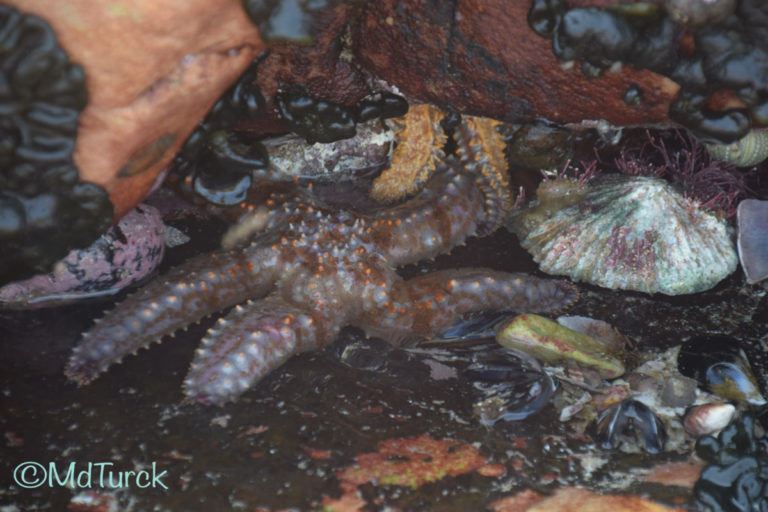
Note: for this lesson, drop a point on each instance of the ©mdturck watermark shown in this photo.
(91, 475)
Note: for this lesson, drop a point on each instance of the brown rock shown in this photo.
(481, 57)
(321, 68)
(153, 69)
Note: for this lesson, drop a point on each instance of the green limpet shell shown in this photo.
(552, 343)
(626, 233)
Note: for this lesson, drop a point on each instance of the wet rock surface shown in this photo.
(322, 429)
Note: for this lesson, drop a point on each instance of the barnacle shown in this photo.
(44, 209)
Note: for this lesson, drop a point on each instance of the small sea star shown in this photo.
(319, 270)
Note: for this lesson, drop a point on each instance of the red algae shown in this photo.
(415, 461)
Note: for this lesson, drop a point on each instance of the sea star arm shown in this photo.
(439, 218)
(420, 141)
(425, 305)
(201, 286)
(251, 341)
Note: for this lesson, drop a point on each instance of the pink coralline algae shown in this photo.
(127, 253)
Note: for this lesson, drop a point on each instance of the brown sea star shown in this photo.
(319, 270)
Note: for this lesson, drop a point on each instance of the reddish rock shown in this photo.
(574, 499)
(415, 461)
(153, 69)
(320, 68)
(482, 58)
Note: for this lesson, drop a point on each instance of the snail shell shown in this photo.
(748, 151)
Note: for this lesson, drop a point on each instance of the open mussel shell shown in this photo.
(720, 366)
(631, 421)
(509, 387)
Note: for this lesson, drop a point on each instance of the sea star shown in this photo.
(319, 270)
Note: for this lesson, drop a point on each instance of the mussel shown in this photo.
(736, 476)
(509, 386)
(720, 366)
(630, 420)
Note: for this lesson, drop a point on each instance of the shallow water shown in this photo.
(290, 441)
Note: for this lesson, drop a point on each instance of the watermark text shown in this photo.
(91, 475)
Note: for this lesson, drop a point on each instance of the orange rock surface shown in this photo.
(574, 499)
(153, 69)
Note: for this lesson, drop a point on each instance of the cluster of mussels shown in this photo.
(221, 161)
(729, 52)
(690, 389)
(218, 160)
(44, 208)
(736, 477)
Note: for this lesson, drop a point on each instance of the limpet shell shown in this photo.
(625, 232)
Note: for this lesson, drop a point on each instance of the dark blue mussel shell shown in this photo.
(630, 420)
(736, 476)
(720, 366)
(509, 386)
